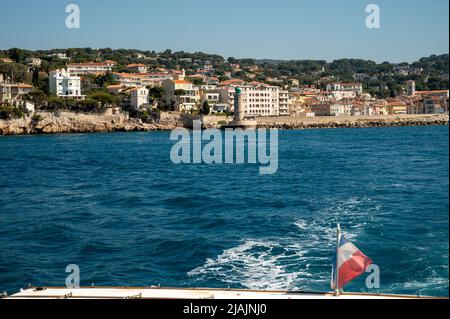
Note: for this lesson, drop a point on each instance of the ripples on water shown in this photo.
(115, 205)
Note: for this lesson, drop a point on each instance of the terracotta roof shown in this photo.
(22, 85)
(88, 64)
(181, 82)
(432, 92)
(136, 88)
(135, 65)
(130, 75)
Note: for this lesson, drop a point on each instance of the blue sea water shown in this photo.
(116, 205)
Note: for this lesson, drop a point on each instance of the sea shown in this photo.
(116, 206)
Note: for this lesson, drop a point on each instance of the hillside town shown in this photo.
(202, 86)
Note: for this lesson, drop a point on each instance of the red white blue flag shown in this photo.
(348, 264)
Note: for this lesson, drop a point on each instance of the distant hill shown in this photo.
(380, 79)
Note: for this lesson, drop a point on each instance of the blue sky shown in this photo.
(277, 29)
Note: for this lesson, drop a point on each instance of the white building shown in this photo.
(345, 87)
(341, 109)
(34, 62)
(411, 87)
(13, 91)
(61, 56)
(90, 68)
(138, 67)
(340, 95)
(284, 103)
(64, 85)
(259, 100)
(188, 101)
(141, 79)
(213, 99)
(139, 97)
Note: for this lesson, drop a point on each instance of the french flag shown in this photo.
(348, 263)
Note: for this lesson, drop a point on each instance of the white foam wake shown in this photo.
(255, 264)
(287, 262)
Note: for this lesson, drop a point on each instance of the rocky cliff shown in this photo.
(68, 122)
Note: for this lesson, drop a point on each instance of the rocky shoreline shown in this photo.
(68, 122)
(356, 122)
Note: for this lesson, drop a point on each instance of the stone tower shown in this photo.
(411, 87)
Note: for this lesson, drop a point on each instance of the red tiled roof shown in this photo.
(181, 82)
(432, 92)
(88, 64)
(135, 65)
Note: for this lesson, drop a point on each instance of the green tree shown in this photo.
(15, 71)
(103, 98)
(180, 92)
(106, 79)
(9, 112)
(205, 108)
(156, 92)
(38, 97)
(16, 54)
(35, 78)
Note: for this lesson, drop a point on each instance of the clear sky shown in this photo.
(276, 29)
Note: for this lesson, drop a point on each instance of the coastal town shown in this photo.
(141, 85)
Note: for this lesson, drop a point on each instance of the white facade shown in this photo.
(137, 67)
(284, 103)
(139, 97)
(64, 85)
(341, 109)
(345, 87)
(339, 95)
(258, 100)
(141, 79)
(34, 62)
(89, 68)
(186, 102)
(213, 98)
(13, 91)
(411, 90)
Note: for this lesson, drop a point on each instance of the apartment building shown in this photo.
(259, 99)
(396, 107)
(94, 68)
(13, 91)
(138, 67)
(434, 105)
(139, 97)
(187, 101)
(320, 108)
(141, 79)
(283, 98)
(345, 87)
(65, 85)
(343, 108)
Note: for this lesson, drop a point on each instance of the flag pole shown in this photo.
(336, 270)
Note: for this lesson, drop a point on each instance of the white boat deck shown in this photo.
(185, 293)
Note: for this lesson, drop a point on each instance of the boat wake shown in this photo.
(287, 262)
